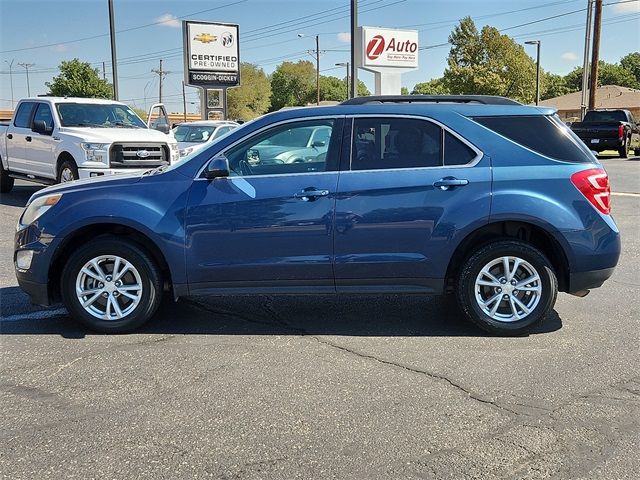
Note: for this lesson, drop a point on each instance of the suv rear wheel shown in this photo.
(507, 287)
(111, 285)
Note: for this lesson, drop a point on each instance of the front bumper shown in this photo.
(88, 172)
(34, 279)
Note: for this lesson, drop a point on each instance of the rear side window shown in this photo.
(387, 143)
(456, 152)
(23, 115)
(542, 134)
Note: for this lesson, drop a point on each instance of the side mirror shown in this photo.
(218, 167)
(163, 127)
(318, 143)
(39, 126)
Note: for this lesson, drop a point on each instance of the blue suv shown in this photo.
(479, 196)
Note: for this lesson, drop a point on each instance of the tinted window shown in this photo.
(605, 116)
(44, 113)
(23, 115)
(545, 135)
(456, 152)
(395, 143)
(284, 149)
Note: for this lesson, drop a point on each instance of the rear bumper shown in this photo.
(579, 281)
(603, 143)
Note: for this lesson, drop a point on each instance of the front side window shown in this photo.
(44, 113)
(389, 143)
(98, 115)
(287, 148)
(23, 115)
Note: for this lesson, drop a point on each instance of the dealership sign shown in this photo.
(211, 54)
(388, 48)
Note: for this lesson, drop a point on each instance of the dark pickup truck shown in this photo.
(609, 130)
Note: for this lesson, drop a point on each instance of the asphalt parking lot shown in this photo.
(326, 387)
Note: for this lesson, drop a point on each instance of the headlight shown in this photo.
(38, 207)
(95, 152)
(186, 151)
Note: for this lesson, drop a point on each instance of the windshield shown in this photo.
(98, 115)
(193, 133)
(605, 116)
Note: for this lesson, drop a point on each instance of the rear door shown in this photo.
(19, 136)
(407, 186)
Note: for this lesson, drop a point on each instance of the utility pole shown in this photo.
(317, 69)
(161, 74)
(104, 72)
(537, 43)
(354, 69)
(184, 103)
(595, 55)
(114, 63)
(26, 67)
(11, 78)
(585, 64)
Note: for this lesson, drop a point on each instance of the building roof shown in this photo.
(607, 96)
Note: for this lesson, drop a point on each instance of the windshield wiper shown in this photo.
(88, 124)
(126, 125)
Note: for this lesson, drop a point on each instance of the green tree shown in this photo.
(252, 98)
(432, 87)
(332, 88)
(631, 63)
(404, 91)
(293, 84)
(553, 85)
(608, 74)
(488, 63)
(78, 79)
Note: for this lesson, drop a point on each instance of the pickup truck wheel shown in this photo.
(624, 150)
(507, 287)
(67, 172)
(6, 182)
(111, 285)
(636, 152)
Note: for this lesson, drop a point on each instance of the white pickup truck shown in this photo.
(53, 140)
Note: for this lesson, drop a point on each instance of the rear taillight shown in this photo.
(620, 132)
(594, 185)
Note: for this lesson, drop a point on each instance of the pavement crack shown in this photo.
(408, 368)
(66, 365)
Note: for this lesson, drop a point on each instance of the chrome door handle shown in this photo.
(447, 182)
(310, 194)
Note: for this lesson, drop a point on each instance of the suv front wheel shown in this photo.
(507, 287)
(111, 285)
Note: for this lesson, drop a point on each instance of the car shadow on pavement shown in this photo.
(340, 315)
(19, 195)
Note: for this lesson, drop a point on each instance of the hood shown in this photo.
(89, 184)
(110, 135)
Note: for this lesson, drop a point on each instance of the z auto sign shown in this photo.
(383, 47)
(212, 55)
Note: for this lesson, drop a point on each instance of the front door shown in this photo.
(40, 156)
(403, 193)
(268, 226)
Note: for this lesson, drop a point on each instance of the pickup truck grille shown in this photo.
(138, 155)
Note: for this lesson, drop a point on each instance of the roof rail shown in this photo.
(481, 99)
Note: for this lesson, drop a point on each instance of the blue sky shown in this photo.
(46, 32)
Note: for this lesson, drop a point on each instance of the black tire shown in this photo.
(636, 152)
(150, 276)
(68, 165)
(623, 151)
(6, 182)
(483, 256)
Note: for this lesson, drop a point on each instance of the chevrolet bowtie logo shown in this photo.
(205, 38)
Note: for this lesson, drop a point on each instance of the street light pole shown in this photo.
(317, 69)
(11, 78)
(354, 69)
(537, 44)
(27, 66)
(345, 64)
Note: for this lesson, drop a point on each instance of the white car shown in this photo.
(192, 136)
(53, 140)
